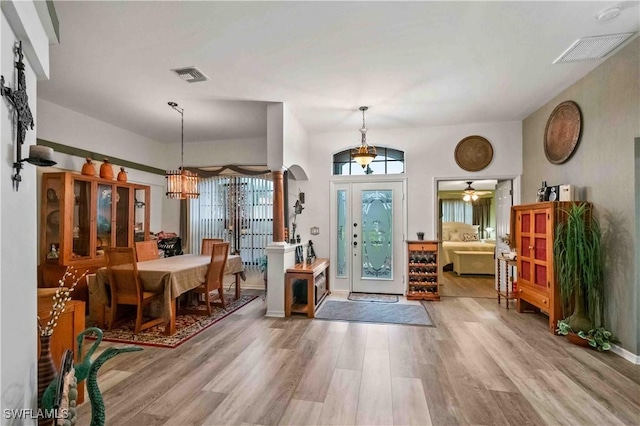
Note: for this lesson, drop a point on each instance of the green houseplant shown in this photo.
(579, 268)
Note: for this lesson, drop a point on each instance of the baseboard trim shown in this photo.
(275, 314)
(629, 356)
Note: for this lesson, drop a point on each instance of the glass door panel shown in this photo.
(53, 190)
(377, 235)
(140, 212)
(122, 216)
(104, 218)
(81, 212)
(342, 228)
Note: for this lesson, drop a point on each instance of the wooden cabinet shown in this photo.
(533, 226)
(423, 270)
(316, 277)
(70, 324)
(81, 216)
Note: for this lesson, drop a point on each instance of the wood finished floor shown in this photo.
(481, 365)
(455, 285)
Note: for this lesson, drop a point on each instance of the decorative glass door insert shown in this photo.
(377, 235)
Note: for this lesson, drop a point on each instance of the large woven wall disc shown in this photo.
(473, 153)
(562, 134)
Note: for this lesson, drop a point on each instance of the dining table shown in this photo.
(171, 276)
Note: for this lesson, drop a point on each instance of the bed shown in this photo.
(460, 237)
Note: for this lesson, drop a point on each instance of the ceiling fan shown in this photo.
(470, 194)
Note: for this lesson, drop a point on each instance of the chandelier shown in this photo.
(181, 183)
(469, 193)
(364, 154)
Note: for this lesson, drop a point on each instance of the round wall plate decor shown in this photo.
(473, 153)
(562, 134)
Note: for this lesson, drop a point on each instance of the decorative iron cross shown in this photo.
(19, 100)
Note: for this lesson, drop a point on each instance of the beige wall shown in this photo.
(603, 166)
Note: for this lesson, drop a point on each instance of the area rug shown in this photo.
(371, 297)
(375, 312)
(187, 326)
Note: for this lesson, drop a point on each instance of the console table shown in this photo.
(313, 273)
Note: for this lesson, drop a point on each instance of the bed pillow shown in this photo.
(455, 236)
(470, 236)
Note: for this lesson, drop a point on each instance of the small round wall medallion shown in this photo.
(473, 153)
(562, 133)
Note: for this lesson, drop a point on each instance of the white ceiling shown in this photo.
(413, 63)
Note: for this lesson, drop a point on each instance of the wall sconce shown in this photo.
(19, 101)
(315, 230)
(301, 197)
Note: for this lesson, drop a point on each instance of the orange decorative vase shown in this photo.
(88, 169)
(122, 175)
(106, 171)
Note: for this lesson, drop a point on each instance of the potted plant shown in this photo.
(579, 269)
(599, 338)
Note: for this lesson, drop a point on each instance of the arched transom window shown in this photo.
(388, 161)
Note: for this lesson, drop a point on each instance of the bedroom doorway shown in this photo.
(472, 216)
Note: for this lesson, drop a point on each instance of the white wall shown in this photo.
(220, 153)
(603, 167)
(295, 141)
(18, 219)
(429, 154)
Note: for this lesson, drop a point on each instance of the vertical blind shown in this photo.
(238, 209)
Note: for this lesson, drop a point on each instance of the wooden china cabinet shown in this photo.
(81, 216)
(533, 226)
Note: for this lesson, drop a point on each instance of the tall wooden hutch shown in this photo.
(534, 226)
(81, 216)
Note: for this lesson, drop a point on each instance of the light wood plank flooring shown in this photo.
(455, 285)
(481, 365)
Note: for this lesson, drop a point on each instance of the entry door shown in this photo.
(376, 238)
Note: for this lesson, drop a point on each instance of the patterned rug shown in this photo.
(371, 297)
(375, 312)
(187, 326)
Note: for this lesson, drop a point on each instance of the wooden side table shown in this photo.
(311, 272)
(508, 292)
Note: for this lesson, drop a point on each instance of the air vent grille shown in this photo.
(190, 74)
(592, 47)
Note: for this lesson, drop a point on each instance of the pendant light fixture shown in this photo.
(181, 183)
(364, 154)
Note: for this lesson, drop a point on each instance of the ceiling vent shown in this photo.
(190, 74)
(592, 47)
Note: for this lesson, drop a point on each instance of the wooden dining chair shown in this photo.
(126, 288)
(207, 245)
(214, 276)
(146, 250)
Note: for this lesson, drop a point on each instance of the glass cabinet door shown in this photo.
(81, 219)
(104, 218)
(52, 194)
(140, 202)
(122, 205)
